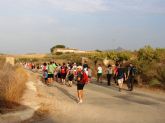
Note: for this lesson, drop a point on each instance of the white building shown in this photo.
(68, 50)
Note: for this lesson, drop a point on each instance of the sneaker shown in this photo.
(80, 101)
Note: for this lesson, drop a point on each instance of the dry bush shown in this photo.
(12, 85)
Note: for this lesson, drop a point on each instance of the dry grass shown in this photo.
(31, 56)
(12, 85)
(39, 115)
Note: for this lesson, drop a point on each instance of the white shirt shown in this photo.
(99, 70)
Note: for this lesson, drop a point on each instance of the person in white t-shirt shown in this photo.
(99, 73)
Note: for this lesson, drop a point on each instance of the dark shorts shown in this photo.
(59, 75)
(70, 78)
(63, 75)
(80, 86)
(99, 75)
(50, 75)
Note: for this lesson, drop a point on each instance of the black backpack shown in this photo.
(120, 73)
(133, 71)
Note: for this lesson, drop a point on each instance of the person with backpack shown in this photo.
(109, 75)
(120, 74)
(89, 74)
(45, 75)
(131, 77)
(51, 70)
(58, 69)
(99, 73)
(55, 66)
(45, 72)
(115, 72)
(85, 65)
(70, 76)
(74, 68)
(82, 79)
(63, 73)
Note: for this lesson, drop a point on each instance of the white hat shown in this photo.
(79, 67)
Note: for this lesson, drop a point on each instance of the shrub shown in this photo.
(154, 82)
(12, 85)
(147, 53)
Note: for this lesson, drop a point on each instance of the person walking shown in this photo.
(115, 73)
(109, 74)
(85, 65)
(82, 79)
(70, 76)
(58, 69)
(51, 70)
(45, 73)
(120, 76)
(131, 77)
(99, 73)
(89, 74)
(63, 73)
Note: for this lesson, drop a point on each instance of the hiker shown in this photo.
(131, 76)
(85, 65)
(99, 73)
(63, 73)
(51, 69)
(70, 76)
(82, 79)
(89, 74)
(109, 75)
(54, 74)
(120, 76)
(74, 68)
(115, 74)
(58, 69)
(45, 73)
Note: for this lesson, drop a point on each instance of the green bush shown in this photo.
(147, 53)
(154, 82)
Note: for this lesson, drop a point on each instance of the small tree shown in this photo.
(56, 46)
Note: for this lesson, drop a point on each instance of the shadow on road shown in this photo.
(66, 93)
(140, 94)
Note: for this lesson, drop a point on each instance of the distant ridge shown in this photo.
(120, 49)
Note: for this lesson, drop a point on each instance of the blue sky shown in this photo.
(34, 26)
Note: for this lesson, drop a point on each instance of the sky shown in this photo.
(34, 26)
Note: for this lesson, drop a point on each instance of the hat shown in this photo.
(79, 67)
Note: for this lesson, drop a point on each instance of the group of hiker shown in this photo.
(119, 74)
(81, 74)
(66, 74)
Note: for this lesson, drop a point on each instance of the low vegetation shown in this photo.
(12, 84)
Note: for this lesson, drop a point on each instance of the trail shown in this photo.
(101, 104)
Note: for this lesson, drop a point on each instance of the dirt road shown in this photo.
(101, 104)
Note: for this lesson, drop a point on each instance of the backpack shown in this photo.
(45, 74)
(133, 71)
(44, 68)
(120, 73)
(63, 70)
(84, 79)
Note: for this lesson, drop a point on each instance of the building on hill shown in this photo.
(68, 50)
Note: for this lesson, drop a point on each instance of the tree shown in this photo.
(56, 46)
